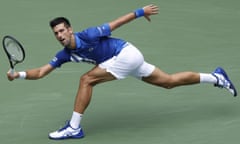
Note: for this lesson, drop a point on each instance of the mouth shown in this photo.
(61, 40)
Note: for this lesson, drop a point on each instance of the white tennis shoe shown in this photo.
(67, 132)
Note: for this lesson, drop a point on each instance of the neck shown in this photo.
(72, 44)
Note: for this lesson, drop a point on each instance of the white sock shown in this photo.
(75, 120)
(207, 78)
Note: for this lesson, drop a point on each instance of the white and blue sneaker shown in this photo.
(223, 81)
(67, 132)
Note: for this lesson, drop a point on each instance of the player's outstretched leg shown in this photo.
(223, 81)
(67, 132)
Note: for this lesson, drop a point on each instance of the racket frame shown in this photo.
(12, 62)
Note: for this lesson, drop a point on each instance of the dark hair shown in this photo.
(59, 20)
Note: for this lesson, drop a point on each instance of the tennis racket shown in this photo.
(14, 51)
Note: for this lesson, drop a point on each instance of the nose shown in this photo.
(58, 35)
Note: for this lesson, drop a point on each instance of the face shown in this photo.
(63, 34)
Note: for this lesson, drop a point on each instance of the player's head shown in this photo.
(59, 20)
(62, 30)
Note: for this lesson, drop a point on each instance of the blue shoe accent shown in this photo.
(223, 80)
(67, 132)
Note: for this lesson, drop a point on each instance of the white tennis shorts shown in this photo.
(129, 61)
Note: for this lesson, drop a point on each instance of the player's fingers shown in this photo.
(11, 76)
(151, 9)
(154, 9)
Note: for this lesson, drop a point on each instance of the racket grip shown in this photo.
(12, 71)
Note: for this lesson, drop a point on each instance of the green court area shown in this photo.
(187, 35)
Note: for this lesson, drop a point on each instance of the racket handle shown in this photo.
(12, 71)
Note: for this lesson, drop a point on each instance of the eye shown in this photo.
(61, 30)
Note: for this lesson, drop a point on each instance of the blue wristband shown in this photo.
(139, 12)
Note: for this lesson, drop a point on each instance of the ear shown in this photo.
(70, 29)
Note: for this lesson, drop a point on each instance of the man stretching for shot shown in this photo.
(113, 59)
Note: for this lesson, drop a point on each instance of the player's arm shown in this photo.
(32, 74)
(146, 11)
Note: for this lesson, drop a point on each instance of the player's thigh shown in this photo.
(157, 77)
(98, 75)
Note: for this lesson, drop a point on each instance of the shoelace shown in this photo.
(221, 81)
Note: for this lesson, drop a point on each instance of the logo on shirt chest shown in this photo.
(90, 49)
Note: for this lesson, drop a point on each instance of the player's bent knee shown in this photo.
(87, 80)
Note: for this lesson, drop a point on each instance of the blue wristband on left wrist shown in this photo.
(139, 12)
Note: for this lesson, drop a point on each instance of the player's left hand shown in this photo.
(150, 10)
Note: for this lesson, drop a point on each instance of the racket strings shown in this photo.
(14, 50)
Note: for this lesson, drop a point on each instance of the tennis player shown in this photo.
(114, 59)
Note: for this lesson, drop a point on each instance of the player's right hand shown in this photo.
(11, 76)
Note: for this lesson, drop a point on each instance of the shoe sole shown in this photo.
(68, 137)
